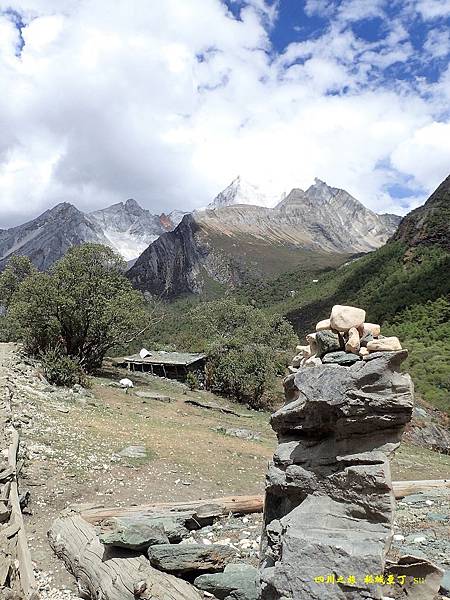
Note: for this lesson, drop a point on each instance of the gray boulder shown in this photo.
(135, 533)
(329, 500)
(328, 341)
(237, 582)
(142, 531)
(188, 558)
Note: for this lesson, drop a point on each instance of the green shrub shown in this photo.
(85, 304)
(246, 374)
(60, 369)
(192, 381)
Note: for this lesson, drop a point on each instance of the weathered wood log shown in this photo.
(26, 573)
(405, 488)
(111, 573)
(202, 508)
(236, 504)
(222, 409)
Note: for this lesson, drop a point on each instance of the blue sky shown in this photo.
(168, 102)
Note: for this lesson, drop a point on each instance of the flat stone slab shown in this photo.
(243, 434)
(134, 452)
(238, 581)
(340, 358)
(188, 558)
(135, 533)
(153, 396)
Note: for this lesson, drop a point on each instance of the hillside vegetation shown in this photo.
(404, 286)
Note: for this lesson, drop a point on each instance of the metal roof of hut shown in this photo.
(165, 358)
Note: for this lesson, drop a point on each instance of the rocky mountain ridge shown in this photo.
(126, 227)
(224, 244)
(430, 223)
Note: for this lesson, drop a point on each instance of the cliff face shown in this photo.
(429, 224)
(172, 262)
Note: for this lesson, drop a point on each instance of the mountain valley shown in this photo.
(235, 243)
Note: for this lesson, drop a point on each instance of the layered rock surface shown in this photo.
(329, 500)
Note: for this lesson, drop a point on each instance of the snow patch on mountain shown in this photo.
(241, 191)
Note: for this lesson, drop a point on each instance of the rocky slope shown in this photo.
(405, 286)
(235, 242)
(429, 224)
(125, 227)
(129, 228)
(45, 239)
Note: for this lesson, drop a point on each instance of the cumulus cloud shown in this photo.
(433, 9)
(168, 101)
(437, 44)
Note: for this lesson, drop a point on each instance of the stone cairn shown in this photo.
(329, 501)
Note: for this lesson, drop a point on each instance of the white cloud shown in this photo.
(356, 10)
(433, 9)
(425, 154)
(437, 44)
(168, 101)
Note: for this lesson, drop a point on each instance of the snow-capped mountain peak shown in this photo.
(241, 191)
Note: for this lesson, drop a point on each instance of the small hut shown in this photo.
(173, 365)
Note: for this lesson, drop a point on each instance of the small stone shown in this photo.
(344, 317)
(352, 344)
(419, 539)
(326, 342)
(414, 499)
(438, 517)
(372, 328)
(388, 344)
(244, 434)
(292, 369)
(363, 352)
(445, 583)
(399, 538)
(311, 339)
(340, 358)
(323, 325)
(365, 339)
(297, 360)
(313, 361)
(153, 396)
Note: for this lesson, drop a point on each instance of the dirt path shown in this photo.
(74, 442)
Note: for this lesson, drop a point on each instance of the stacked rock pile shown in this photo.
(343, 339)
